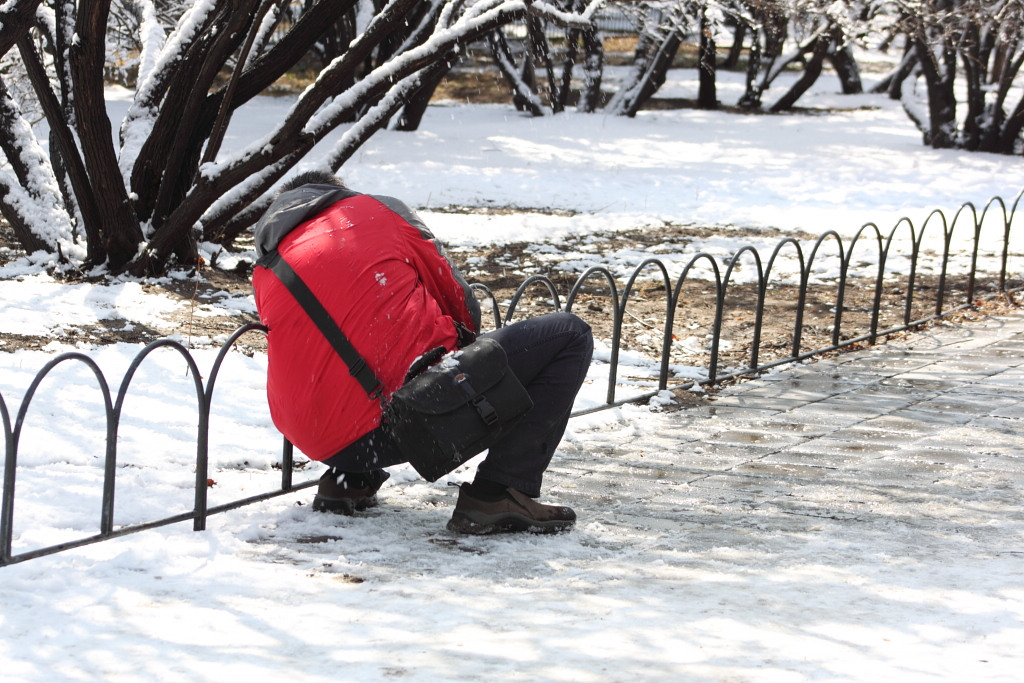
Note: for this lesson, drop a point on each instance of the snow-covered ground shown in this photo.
(274, 590)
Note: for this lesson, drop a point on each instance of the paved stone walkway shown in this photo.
(927, 425)
(951, 398)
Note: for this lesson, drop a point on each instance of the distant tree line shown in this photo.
(957, 76)
(146, 195)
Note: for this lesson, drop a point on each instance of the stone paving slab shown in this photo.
(930, 420)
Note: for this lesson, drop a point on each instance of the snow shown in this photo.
(712, 592)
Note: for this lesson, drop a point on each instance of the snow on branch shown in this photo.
(545, 10)
(315, 116)
(152, 35)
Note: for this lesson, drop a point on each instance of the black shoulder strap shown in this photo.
(357, 367)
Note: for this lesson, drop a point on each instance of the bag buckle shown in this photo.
(483, 407)
(378, 393)
(487, 412)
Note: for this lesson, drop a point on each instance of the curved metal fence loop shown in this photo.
(702, 256)
(666, 338)
(11, 457)
(1013, 207)
(716, 332)
(211, 381)
(965, 209)
(141, 356)
(1006, 234)
(581, 281)
(46, 369)
(762, 294)
(7, 491)
(968, 207)
(805, 279)
(946, 234)
(1008, 218)
(719, 290)
(914, 249)
(202, 431)
(529, 282)
(665, 277)
(613, 295)
(495, 311)
(879, 274)
(783, 243)
(994, 201)
(6, 417)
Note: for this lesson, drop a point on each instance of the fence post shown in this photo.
(7, 501)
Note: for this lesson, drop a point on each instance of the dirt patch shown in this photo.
(786, 324)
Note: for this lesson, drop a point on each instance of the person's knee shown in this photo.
(580, 327)
(573, 323)
(583, 336)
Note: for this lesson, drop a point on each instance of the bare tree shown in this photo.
(805, 34)
(981, 42)
(553, 88)
(767, 22)
(775, 35)
(167, 184)
(661, 28)
(707, 61)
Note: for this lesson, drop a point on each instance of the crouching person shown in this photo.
(387, 284)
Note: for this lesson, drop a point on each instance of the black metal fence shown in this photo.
(935, 237)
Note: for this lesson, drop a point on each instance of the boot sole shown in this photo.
(463, 524)
(343, 506)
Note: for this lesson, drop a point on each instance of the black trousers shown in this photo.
(550, 355)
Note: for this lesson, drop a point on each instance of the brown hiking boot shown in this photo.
(515, 511)
(347, 492)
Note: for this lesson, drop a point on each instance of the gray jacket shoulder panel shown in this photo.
(291, 209)
(406, 212)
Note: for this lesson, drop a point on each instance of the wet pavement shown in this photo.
(927, 424)
(948, 397)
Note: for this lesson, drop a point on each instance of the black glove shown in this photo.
(466, 335)
(425, 361)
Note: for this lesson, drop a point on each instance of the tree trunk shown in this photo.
(819, 50)
(975, 122)
(707, 96)
(121, 234)
(538, 50)
(649, 74)
(593, 66)
(12, 146)
(23, 232)
(733, 59)
(413, 111)
(941, 133)
(66, 152)
(892, 85)
(843, 61)
(524, 95)
(572, 51)
(178, 111)
(1008, 134)
(176, 154)
(751, 98)
(15, 20)
(1009, 139)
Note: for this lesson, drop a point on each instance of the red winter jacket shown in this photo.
(384, 280)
